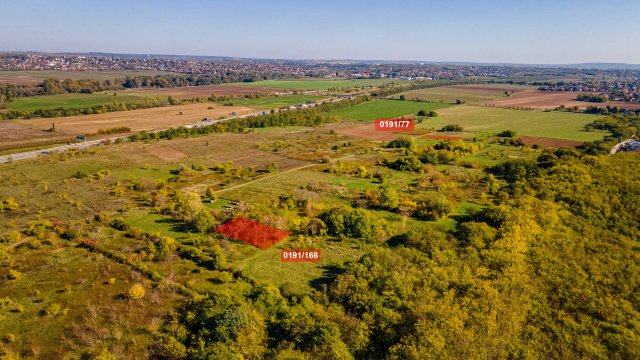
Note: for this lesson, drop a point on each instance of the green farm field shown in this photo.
(321, 84)
(386, 109)
(488, 120)
(76, 100)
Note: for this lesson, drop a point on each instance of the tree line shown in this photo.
(87, 86)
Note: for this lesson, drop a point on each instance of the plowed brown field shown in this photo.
(137, 120)
(543, 100)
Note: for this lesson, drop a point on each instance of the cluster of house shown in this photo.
(627, 89)
(257, 69)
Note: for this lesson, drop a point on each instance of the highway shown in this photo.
(85, 145)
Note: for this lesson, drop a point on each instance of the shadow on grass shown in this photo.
(329, 274)
(461, 218)
(397, 240)
(174, 225)
(121, 297)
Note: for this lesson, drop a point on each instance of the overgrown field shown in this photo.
(429, 249)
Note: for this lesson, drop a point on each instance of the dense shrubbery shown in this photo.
(621, 128)
(452, 127)
(591, 98)
(507, 134)
(445, 152)
(115, 130)
(354, 223)
(402, 143)
(410, 163)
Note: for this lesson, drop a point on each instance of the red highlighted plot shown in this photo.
(252, 232)
(395, 124)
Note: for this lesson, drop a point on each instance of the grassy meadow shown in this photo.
(488, 120)
(76, 100)
(68, 289)
(386, 109)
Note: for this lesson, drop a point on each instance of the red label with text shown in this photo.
(300, 255)
(394, 124)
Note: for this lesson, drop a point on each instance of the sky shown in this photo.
(497, 31)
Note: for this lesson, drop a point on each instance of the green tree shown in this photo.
(203, 222)
(432, 209)
(388, 198)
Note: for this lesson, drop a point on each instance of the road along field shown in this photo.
(372, 110)
(548, 100)
(274, 102)
(37, 76)
(136, 120)
(489, 120)
(466, 93)
(322, 84)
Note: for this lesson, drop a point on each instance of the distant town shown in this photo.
(259, 69)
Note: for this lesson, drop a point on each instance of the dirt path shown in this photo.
(266, 177)
(274, 175)
(18, 243)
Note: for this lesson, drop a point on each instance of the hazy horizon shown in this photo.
(426, 61)
(528, 32)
